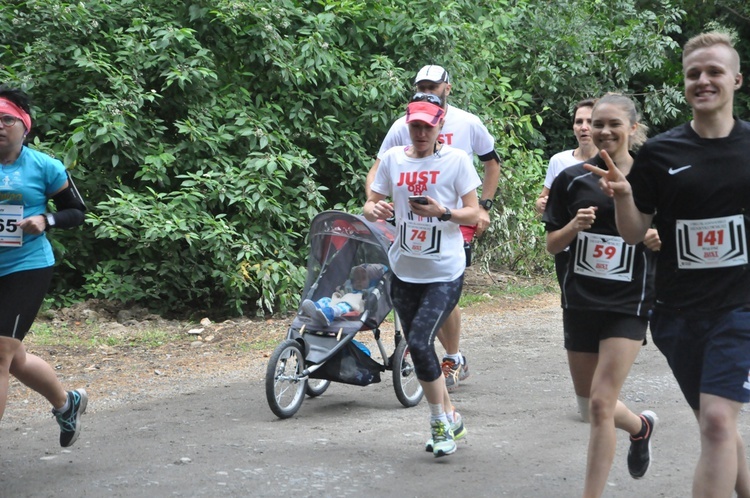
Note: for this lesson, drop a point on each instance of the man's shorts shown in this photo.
(468, 234)
(584, 329)
(708, 353)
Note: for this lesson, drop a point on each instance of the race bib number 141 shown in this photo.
(711, 243)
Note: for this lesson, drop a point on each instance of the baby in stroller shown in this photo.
(349, 297)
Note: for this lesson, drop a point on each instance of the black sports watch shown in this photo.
(486, 204)
(446, 215)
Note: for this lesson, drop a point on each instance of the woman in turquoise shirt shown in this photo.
(28, 179)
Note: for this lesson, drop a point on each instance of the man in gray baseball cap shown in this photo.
(436, 74)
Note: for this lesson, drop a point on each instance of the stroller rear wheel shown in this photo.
(408, 389)
(285, 389)
(316, 387)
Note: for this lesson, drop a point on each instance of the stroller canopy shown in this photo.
(340, 241)
(332, 229)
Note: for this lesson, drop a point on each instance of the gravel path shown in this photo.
(194, 431)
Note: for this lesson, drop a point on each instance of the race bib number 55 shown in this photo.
(604, 256)
(711, 243)
(10, 217)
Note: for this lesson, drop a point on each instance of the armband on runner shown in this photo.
(70, 208)
(490, 155)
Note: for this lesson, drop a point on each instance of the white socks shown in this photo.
(437, 412)
(458, 357)
(583, 408)
(64, 407)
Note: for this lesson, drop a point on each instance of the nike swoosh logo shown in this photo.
(674, 171)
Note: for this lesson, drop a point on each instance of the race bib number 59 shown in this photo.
(711, 243)
(10, 217)
(604, 256)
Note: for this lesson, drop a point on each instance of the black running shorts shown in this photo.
(584, 329)
(21, 295)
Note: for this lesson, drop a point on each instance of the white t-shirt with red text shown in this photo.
(426, 249)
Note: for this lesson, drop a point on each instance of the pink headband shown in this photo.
(8, 107)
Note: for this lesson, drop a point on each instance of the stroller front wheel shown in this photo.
(316, 387)
(285, 389)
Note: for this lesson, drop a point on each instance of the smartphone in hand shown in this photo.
(419, 199)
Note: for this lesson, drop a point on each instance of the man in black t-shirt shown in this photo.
(692, 182)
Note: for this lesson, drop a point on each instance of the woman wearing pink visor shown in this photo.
(432, 188)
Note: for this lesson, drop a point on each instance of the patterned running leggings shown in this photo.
(423, 308)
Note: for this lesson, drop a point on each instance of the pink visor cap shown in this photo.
(425, 112)
(8, 107)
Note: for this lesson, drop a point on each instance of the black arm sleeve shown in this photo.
(490, 155)
(68, 218)
(70, 207)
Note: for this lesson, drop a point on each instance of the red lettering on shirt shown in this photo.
(417, 181)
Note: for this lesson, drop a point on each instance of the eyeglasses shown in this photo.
(7, 120)
(427, 97)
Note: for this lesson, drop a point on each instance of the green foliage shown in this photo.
(570, 50)
(206, 135)
(200, 189)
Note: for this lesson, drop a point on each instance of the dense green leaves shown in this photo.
(206, 135)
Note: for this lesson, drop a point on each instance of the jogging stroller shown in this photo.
(314, 354)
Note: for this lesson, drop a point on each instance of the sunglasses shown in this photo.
(427, 97)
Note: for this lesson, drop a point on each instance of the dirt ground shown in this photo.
(191, 419)
(196, 350)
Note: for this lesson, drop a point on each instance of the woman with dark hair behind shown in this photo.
(561, 160)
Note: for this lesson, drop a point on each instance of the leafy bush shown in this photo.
(206, 135)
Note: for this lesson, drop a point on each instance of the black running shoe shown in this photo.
(639, 455)
(70, 420)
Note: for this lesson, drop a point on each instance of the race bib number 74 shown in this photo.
(420, 239)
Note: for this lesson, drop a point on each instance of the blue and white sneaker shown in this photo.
(325, 316)
(70, 420)
(322, 316)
